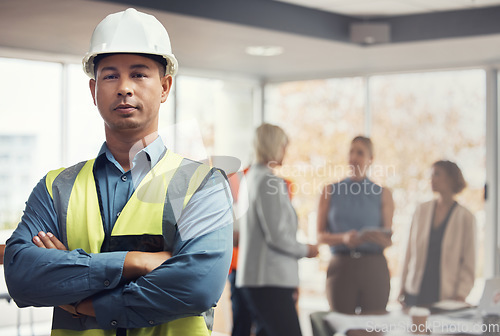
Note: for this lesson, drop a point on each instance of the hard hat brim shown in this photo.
(88, 62)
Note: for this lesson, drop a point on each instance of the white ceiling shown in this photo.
(61, 30)
(382, 8)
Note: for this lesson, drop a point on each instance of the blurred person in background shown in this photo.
(268, 248)
(242, 316)
(355, 219)
(440, 257)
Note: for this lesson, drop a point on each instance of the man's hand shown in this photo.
(70, 309)
(138, 264)
(85, 307)
(48, 241)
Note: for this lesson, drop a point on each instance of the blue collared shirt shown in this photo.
(188, 283)
(117, 186)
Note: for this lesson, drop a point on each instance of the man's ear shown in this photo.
(166, 84)
(92, 90)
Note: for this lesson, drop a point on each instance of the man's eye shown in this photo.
(139, 75)
(110, 77)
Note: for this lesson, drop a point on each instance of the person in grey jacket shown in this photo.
(269, 250)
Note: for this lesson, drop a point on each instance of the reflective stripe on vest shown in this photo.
(156, 203)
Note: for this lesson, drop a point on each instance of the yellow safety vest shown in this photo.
(155, 204)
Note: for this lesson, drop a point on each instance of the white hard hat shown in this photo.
(130, 31)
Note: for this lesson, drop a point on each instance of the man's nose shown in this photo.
(125, 88)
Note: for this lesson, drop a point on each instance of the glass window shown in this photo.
(85, 133)
(419, 119)
(415, 120)
(214, 118)
(320, 118)
(30, 130)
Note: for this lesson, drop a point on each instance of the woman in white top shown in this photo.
(440, 257)
(268, 250)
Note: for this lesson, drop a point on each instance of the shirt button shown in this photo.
(118, 213)
(151, 322)
(124, 178)
(114, 323)
(106, 283)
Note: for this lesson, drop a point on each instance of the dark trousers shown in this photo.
(274, 310)
(358, 283)
(242, 316)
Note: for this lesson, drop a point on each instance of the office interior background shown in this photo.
(418, 76)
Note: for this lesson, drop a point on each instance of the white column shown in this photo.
(64, 113)
(368, 113)
(491, 267)
(259, 115)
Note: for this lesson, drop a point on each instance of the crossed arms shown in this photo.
(117, 286)
(136, 264)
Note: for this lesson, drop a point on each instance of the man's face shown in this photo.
(128, 92)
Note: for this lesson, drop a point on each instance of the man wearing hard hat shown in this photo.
(138, 240)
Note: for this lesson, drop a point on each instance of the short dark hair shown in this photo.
(157, 58)
(457, 179)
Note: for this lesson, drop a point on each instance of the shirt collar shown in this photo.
(153, 153)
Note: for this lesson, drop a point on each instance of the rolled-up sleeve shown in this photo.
(192, 280)
(48, 277)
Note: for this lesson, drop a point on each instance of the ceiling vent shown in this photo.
(370, 33)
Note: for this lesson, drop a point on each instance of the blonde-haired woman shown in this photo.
(355, 219)
(268, 250)
(440, 256)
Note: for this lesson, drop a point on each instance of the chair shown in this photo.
(319, 326)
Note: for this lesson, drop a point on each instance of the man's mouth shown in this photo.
(125, 108)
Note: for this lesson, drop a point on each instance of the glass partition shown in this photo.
(414, 120)
(419, 119)
(30, 138)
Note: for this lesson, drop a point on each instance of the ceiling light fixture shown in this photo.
(264, 50)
